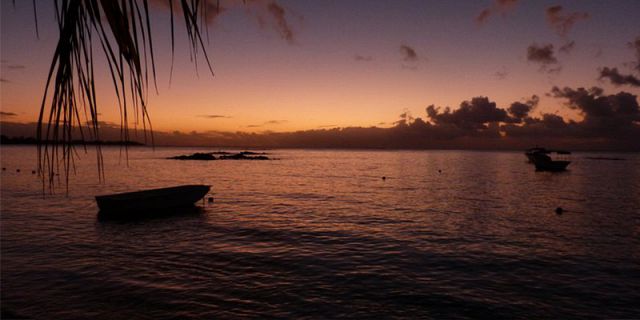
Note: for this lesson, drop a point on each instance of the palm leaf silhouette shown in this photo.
(121, 30)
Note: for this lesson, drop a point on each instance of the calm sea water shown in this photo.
(319, 234)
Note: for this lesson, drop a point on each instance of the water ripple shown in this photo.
(318, 234)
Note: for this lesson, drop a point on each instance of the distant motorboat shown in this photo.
(152, 200)
(548, 160)
(532, 151)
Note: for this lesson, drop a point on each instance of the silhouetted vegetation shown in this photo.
(33, 141)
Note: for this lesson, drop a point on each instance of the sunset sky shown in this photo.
(324, 64)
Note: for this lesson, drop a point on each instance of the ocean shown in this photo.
(319, 234)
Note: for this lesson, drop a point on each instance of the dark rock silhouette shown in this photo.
(244, 155)
(195, 156)
(248, 153)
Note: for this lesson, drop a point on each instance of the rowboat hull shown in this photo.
(152, 200)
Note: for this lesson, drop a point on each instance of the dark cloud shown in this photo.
(549, 120)
(408, 53)
(8, 114)
(544, 56)
(521, 110)
(562, 22)
(483, 16)
(405, 118)
(567, 47)
(609, 122)
(264, 11)
(506, 4)
(213, 116)
(499, 6)
(541, 130)
(541, 54)
(281, 24)
(617, 78)
(472, 115)
(362, 58)
(267, 123)
(212, 8)
(276, 122)
(604, 115)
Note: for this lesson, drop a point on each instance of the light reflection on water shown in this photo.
(320, 234)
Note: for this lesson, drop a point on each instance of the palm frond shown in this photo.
(123, 31)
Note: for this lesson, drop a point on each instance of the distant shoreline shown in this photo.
(4, 140)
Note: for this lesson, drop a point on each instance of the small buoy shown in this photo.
(559, 210)
(33, 172)
(384, 178)
(4, 169)
(210, 199)
(17, 170)
(439, 171)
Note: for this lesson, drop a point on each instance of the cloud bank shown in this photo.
(609, 122)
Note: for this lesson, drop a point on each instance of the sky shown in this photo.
(286, 66)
